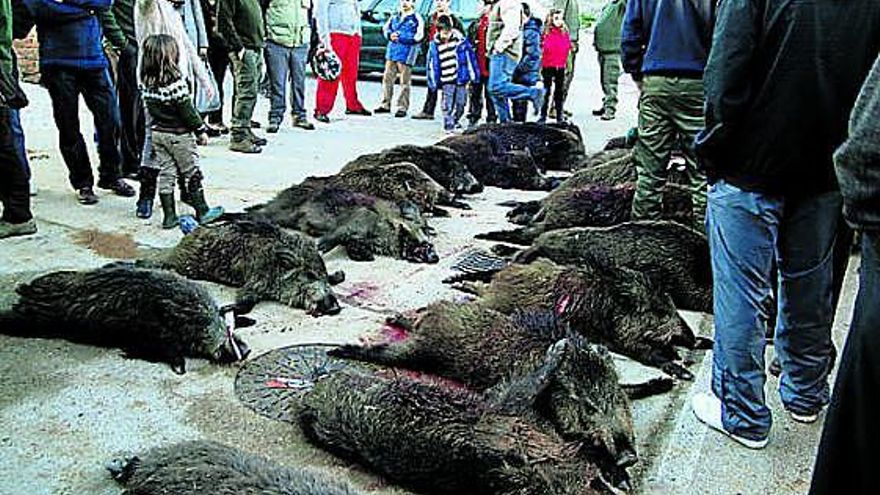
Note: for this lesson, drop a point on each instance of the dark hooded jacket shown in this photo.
(780, 84)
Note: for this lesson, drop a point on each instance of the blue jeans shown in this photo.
(18, 140)
(454, 100)
(283, 64)
(748, 232)
(502, 87)
(851, 429)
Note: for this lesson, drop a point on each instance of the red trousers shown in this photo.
(348, 48)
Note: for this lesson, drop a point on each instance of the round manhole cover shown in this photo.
(270, 383)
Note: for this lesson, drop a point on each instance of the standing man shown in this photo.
(572, 16)
(240, 23)
(606, 39)
(72, 63)
(287, 47)
(17, 219)
(339, 28)
(119, 23)
(505, 41)
(774, 199)
(851, 425)
(665, 45)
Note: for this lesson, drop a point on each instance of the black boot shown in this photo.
(204, 213)
(170, 219)
(184, 190)
(147, 194)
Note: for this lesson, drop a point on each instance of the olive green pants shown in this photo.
(670, 112)
(609, 73)
(247, 72)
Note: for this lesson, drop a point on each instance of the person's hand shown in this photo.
(395, 36)
(202, 138)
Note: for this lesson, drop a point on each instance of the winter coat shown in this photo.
(780, 84)
(858, 160)
(337, 16)
(528, 71)
(411, 31)
(240, 23)
(69, 33)
(287, 22)
(6, 39)
(159, 17)
(667, 37)
(477, 37)
(193, 22)
(606, 37)
(556, 44)
(215, 41)
(467, 72)
(123, 14)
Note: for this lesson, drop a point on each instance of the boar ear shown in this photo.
(286, 257)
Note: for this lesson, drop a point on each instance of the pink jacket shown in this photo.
(556, 45)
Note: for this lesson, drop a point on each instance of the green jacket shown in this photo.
(606, 38)
(287, 22)
(240, 24)
(6, 37)
(571, 13)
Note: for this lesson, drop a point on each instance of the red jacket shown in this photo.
(556, 45)
(482, 56)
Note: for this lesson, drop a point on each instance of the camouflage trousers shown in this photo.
(670, 112)
(609, 73)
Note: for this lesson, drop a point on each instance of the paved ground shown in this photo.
(65, 409)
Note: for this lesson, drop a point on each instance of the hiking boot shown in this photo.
(303, 123)
(147, 192)
(86, 196)
(169, 211)
(322, 117)
(399, 114)
(241, 143)
(256, 139)
(423, 116)
(119, 187)
(707, 408)
(255, 124)
(607, 115)
(272, 128)
(8, 229)
(599, 112)
(382, 110)
(363, 112)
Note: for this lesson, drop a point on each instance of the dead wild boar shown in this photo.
(366, 226)
(436, 436)
(593, 206)
(266, 262)
(494, 165)
(602, 157)
(673, 256)
(614, 306)
(552, 147)
(480, 347)
(203, 467)
(443, 165)
(149, 314)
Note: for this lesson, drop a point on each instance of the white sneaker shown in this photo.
(804, 418)
(707, 408)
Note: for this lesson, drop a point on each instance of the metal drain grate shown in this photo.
(477, 264)
(271, 383)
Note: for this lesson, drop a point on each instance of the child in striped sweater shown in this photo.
(452, 64)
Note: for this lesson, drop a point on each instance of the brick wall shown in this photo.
(28, 58)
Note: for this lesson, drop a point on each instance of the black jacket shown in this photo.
(780, 83)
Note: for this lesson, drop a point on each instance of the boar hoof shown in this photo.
(678, 371)
(336, 277)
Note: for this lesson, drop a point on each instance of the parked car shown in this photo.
(374, 13)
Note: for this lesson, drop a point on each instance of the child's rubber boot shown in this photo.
(169, 221)
(147, 193)
(204, 213)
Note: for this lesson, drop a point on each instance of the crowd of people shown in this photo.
(756, 94)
